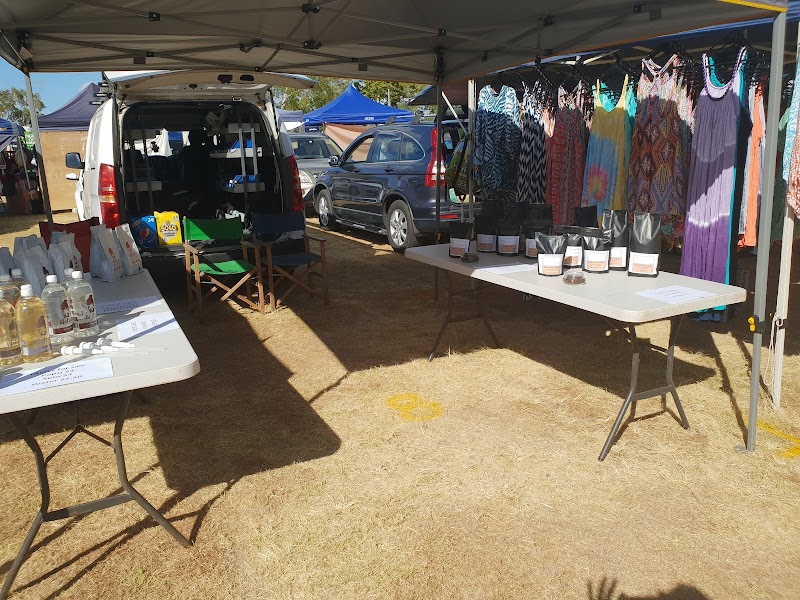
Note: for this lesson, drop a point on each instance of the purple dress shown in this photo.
(706, 245)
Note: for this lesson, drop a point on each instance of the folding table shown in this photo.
(614, 296)
(162, 354)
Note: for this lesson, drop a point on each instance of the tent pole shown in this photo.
(471, 147)
(437, 167)
(37, 149)
(765, 220)
(782, 307)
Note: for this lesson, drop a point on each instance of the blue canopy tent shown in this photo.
(353, 108)
(9, 132)
(75, 114)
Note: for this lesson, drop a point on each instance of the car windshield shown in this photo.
(315, 147)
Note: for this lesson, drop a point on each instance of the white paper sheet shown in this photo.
(103, 308)
(128, 329)
(508, 269)
(675, 294)
(56, 375)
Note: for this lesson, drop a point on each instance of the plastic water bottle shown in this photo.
(60, 323)
(32, 325)
(9, 336)
(81, 304)
(8, 290)
(18, 279)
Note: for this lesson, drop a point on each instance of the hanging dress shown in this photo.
(606, 158)
(707, 240)
(566, 156)
(498, 135)
(660, 148)
(532, 165)
(748, 218)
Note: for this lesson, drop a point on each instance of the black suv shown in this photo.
(385, 182)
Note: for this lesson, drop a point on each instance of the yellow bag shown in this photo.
(168, 228)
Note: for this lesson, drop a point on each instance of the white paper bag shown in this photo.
(104, 260)
(35, 265)
(67, 241)
(6, 261)
(59, 256)
(129, 251)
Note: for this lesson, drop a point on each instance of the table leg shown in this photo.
(45, 514)
(480, 314)
(122, 471)
(633, 396)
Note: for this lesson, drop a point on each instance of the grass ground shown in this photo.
(319, 455)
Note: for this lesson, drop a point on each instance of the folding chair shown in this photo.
(267, 228)
(211, 246)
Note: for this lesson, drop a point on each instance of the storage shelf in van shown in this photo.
(238, 188)
(235, 153)
(143, 186)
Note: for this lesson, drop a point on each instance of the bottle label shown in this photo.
(9, 352)
(35, 350)
(62, 321)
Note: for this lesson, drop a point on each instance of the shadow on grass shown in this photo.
(606, 589)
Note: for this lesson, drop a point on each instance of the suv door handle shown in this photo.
(389, 170)
(356, 170)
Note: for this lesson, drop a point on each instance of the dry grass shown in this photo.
(296, 479)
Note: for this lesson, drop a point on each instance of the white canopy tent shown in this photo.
(431, 42)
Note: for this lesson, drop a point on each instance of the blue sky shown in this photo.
(56, 89)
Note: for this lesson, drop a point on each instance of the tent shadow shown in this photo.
(606, 589)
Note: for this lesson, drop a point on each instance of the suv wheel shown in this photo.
(325, 211)
(400, 226)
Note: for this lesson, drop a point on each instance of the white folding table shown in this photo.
(614, 296)
(162, 354)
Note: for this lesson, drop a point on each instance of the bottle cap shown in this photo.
(16, 272)
(26, 290)
(51, 279)
(68, 272)
(5, 278)
(77, 275)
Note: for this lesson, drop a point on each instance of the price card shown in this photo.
(103, 308)
(131, 328)
(56, 375)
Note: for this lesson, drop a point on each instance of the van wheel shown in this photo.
(325, 211)
(400, 227)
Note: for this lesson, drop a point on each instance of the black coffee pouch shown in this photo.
(645, 245)
(486, 233)
(596, 253)
(615, 223)
(530, 232)
(586, 216)
(460, 235)
(551, 254)
(516, 213)
(508, 238)
(573, 253)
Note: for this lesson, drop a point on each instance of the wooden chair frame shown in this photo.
(276, 273)
(195, 277)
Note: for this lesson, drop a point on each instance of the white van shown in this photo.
(173, 142)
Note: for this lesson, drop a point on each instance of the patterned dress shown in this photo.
(497, 133)
(660, 148)
(607, 156)
(707, 241)
(532, 159)
(566, 160)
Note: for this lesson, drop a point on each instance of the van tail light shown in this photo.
(107, 191)
(434, 170)
(297, 188)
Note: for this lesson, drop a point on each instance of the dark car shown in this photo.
(385, 182)
(313, 153)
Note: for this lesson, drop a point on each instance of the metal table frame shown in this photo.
(128, 494)
(629, 329)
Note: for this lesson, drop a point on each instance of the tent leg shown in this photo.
(782, 308)
(37, 151)
(765, 220)
(471, 147)
(438, 170)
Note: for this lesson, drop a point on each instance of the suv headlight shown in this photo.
(305, 177)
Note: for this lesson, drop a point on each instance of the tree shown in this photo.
(398, 94)
(14, 105)
(327, 89)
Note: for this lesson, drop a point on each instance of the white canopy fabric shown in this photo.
(366, 39)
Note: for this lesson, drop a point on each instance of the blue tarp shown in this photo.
(75, 114)
(353, 108)
(9, 132)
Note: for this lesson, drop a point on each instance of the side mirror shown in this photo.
(334, 161)
(71, 176)
(73, 160)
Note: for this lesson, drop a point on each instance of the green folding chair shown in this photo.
(211, 249)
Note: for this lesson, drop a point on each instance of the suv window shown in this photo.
(313, 147)
(360, 152)
(387, 148)
(410, 149)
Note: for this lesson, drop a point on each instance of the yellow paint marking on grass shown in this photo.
(793, 451)
(411, 407)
